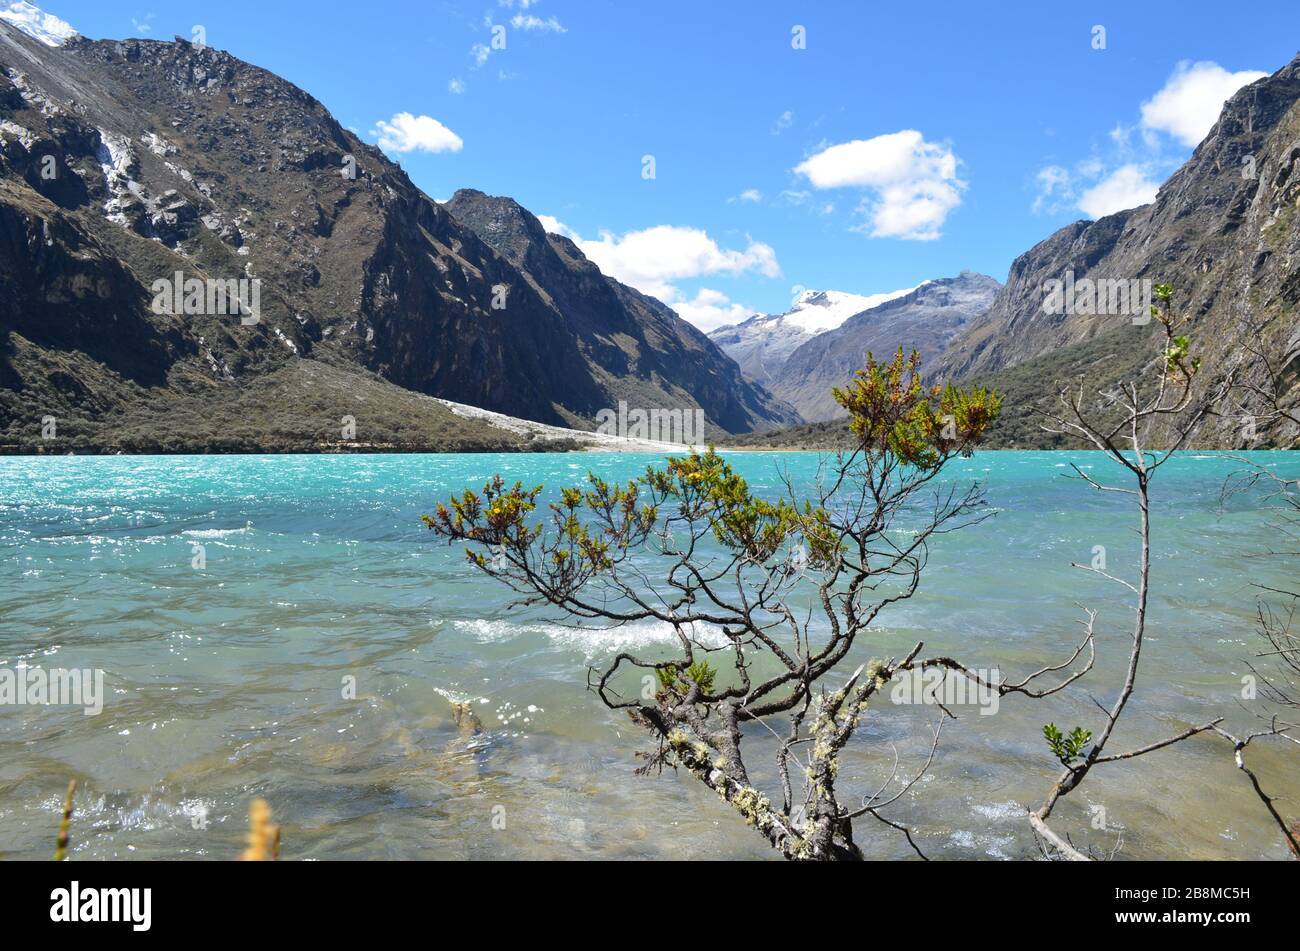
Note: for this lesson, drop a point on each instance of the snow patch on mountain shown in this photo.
(762, 343)
(38, 24)
(818, 311)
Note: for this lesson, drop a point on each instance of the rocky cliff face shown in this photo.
(644, 353)
(925, 319)
(127, 163)
(1224, 230)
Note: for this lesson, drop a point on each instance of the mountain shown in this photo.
(641, 350)
(125, 165)
(762, 343)
(1224, 230)
(926, 318)
(37, 24)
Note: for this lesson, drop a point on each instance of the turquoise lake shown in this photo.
(225, 683)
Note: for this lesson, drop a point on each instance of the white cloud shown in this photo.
(879, 162)
(1191, 100)
(1127, 187)
(783, 122)
(555, 226)
(408, 133)
(710, 309)
(521, 21)
(1099, 188)
(1141, 156)
(914, 183)
(1054, 183)
(751, 195)
(653, 259)
(456, 86)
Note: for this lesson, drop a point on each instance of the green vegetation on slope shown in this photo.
(303, 407)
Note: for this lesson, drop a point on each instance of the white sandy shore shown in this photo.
(592, 442)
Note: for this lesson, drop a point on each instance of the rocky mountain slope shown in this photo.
(1224, 230)
(762, 343)
(926, 319)
(126, 163)
(644, 353)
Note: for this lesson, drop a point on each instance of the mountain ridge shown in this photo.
(173, 157)
(626, 332)
(126, 162)
(762, 343)
(1223, 230)
(924, 318)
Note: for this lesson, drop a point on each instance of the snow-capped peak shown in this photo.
(36, 23)
(818, 311)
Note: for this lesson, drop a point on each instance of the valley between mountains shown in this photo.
(387, 321)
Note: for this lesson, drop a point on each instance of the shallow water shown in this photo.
(227, 683)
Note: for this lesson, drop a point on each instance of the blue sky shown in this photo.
(903, 142)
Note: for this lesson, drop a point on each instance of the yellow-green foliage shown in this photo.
(700, 673)
(1180, 365)
(704, 484)
(595, 530)
(892, 411)
(894, 418)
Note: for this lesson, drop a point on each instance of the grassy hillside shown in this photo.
(301, 408)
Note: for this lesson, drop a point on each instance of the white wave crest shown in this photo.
(596, 641)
